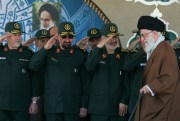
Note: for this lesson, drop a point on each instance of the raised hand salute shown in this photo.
(50, 42)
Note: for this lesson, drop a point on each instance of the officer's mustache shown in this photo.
(66, 45)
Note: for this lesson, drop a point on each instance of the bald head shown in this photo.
(53, 30)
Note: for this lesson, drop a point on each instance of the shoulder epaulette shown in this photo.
(124, 50)
(176, 47)
(134, 50)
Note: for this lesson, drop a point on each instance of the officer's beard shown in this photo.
(112, 45)
(51, 24)
(66, 45)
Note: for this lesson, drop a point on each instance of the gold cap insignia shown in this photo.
(16, 25)
(93, 32)
(67, 26)
(44, 32)
(112, 28)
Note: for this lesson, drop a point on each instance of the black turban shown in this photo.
(151, 23)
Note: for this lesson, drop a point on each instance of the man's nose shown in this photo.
(142, 39)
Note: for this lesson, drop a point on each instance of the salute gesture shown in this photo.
(5, 36)
(104, 41)
(29, 41)
(50, 42)
(82, 44)
(175, 41)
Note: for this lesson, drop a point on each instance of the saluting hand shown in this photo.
(82, 44)
(103, 41)
(5, 36)
(29, 41)
(50, 42)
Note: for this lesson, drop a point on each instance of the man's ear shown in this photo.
(156, 35)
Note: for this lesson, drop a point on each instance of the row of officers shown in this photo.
(62, 82)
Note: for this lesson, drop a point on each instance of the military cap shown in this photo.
(42, 34)
(66, 28)
(94, 32)
(150, 23)
(109, 29)
(13, 27)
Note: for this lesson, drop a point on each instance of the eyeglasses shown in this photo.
(144, 35)
(67, 36)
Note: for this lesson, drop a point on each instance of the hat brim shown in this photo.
(115, 34)
(68, 33)
(43, 37)
(17, 32)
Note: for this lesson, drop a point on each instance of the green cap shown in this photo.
(109, 29)
(13, 27)
(66, 28)
(94, 32)
(42, 34)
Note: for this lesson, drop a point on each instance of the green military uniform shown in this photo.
(64, 93)
(40, 35)
(107, 85)
(17, 81)
(177, 50)
(134, 64)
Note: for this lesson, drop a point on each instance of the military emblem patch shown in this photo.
(44, 32)
(112, 28)
(93, 32)
(17, 25)
(67, 26)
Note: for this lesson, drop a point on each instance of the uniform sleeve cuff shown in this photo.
(152, 94)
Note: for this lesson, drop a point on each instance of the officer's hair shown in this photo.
(50, 9)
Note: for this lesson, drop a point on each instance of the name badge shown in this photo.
(2, 58)
(25, 60)
(102, 62)
(53, 59)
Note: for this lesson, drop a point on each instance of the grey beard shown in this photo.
(66, 46)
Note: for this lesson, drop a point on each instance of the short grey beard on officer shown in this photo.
(47, 28)
(16, 44)
(108, 46)
(66, 45)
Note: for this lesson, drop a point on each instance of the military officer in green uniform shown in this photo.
(92, 39)
(176, 48)
(107, 101)
(94, 35)
(64, 91)
(18, 92)
(41, 38)
(134, 64)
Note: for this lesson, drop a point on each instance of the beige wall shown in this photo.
(126, 14)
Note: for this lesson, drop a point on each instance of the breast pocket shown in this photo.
(23, 67)
(3, 60)
(53, 67)
(23, 63)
